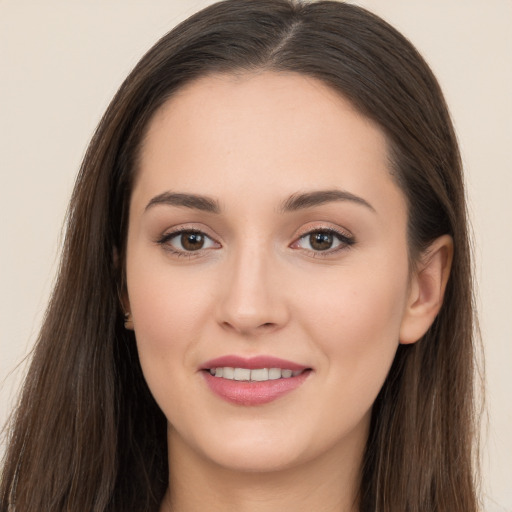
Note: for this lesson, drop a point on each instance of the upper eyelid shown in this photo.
(331, 229)
(169, 235)
(184, 228)
(349, 240)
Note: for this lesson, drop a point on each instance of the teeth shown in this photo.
(242, 374)
(256, 375)
(274, 373)
(260, 374)
(228, 373)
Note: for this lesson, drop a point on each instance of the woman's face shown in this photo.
(266, 232)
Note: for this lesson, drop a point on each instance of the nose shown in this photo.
(252, 299)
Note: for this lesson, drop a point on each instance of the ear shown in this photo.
(427, 287)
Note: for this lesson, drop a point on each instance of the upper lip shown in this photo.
(252, 363)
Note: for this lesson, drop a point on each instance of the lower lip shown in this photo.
(253, 393)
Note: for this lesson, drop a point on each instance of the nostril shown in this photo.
(242, 328)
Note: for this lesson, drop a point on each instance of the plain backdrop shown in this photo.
(62, 61)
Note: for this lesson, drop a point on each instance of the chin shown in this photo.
(276, 445)
(247, 447)
(255, 458)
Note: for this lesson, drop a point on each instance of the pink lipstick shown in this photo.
(253, 381)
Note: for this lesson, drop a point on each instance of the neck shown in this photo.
(330, 483)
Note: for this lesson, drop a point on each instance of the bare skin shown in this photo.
(264, 221)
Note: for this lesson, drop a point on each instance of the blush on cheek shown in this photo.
(360, 325)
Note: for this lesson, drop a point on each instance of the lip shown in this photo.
(250, 393)
(252, 363)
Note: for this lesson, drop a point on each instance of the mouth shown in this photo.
(254, 381)
(253, 375)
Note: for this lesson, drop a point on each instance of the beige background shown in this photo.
(61, 62)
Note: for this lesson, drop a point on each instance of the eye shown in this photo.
(186, 241)
(323, 240)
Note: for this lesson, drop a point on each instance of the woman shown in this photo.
(265, 294)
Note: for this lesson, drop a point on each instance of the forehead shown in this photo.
(270, 133)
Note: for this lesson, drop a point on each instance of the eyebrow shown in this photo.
(293, 203)
(194, 201)
(310, 199)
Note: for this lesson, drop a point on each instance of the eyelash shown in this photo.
(167, 237)
(345, 241)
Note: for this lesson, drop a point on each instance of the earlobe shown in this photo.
(427, 288)
(128, 321)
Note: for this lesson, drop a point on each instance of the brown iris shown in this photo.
(191, 241)
(321, 241)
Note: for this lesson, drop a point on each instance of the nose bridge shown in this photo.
(251, 298)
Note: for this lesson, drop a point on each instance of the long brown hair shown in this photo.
(88, 436)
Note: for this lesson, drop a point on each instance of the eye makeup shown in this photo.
(319, 241)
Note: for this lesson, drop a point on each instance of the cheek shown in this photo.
(168, 309)
(358, 306)
(355, 320)
(167, 305)
(357, 332)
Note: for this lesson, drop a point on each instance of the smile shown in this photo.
(253, 375)
(253, 381)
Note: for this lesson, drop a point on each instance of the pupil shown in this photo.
(192, 241)
(320, 241)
